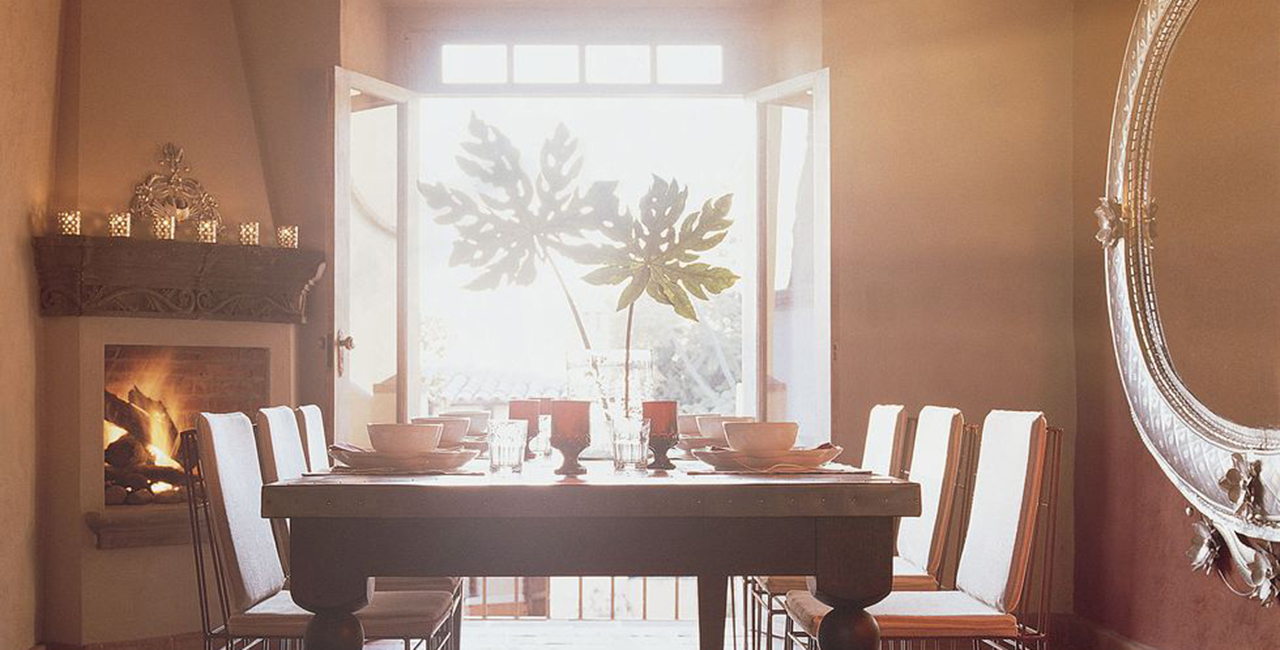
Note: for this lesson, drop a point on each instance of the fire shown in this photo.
(159, 487)
(111, 433)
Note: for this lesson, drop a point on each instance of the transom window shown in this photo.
(565, 64)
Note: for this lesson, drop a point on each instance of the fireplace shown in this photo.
(154, 392)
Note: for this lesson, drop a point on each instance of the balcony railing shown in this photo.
(583, 598)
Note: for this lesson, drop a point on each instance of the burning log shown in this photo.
(127, 451)
(134, 420)
(148, 473)
(157, 408)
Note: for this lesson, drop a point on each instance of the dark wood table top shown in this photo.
(599, 493)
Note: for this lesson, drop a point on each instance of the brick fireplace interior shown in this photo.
(151, 394)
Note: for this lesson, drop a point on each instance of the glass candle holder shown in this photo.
(164, 226)
(525, 410)
(287, 236)
(249, 233)
(663, 433)
(119, 224)
(507, 440)
(207, 231)
(69, 223)
(570, 433)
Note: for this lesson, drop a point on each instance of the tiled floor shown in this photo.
(587, 635)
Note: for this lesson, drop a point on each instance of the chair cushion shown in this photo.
(416, 584)
(779, 585)
(909, 577)
(313, 438)
(884, 427)
(915, 615)
(934, 465)
(401, 614)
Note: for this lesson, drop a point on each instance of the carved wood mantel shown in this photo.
(96, 276)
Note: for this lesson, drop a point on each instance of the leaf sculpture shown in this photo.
(505, 231)
(658, 252)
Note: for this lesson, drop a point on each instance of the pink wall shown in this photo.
(1132, 575)
(28, 82)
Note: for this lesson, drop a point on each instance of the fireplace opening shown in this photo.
(153, 393)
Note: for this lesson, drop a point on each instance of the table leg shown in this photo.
(329, 584)
(854, 571)
(712, 590)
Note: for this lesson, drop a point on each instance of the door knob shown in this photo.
(342, 345)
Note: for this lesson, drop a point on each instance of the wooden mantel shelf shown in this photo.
(99, 276)
(140, 526)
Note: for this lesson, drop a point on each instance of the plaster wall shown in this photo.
(145, 72)
(28, 83)
(1214, 168)
(951, 213)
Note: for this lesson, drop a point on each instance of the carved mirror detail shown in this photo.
(1229, 472)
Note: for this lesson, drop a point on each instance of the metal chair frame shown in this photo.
(1033, 613)
(213, 622)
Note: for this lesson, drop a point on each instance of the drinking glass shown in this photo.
(663, 433)
(630, 444)
(506, 445)
(525, 410)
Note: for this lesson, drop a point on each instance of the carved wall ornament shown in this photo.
(173, 192)
(1228, 472)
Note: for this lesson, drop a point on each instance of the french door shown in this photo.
(374, 354)
(791, 322)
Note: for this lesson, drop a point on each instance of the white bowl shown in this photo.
(712, 426)
(405, 438)
(455, 428)
(759, 437)
(687, 425)
(479, 420)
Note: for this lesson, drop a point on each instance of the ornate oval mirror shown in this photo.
(1202, 370)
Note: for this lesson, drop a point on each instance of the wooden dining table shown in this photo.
(838, 528)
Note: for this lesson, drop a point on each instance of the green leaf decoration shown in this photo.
(658, 252)
(506, 229)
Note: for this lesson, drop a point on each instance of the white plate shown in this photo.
(729, 460)
(441, 460)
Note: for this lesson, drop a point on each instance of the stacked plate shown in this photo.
(436, 460)
(790, 460)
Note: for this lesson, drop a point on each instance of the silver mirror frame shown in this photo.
(1230, 473)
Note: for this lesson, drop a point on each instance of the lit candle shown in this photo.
(164, 226)
(69, 222)
(287, 236)
(119, 224)
(249, 233)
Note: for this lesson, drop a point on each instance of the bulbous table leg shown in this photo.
(848, 629)
(334, 630)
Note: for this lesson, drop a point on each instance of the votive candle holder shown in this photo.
(287, 236)
(119, 224)
(164, 227)
(69, 223)
(207, 231)
(249, 233)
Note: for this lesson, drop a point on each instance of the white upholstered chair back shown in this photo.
(884, 428)
(233, 483)
(935, 464)
(314, 442)
(1006, 498)
(280, 445)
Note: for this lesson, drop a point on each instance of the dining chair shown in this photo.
(935, 466)
(1005, 571)
(887, 432)
(886, 426)
(314, 442)
(244, 573)
(286, 454)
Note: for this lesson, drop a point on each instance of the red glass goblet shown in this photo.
(662, 431)
(570, 433)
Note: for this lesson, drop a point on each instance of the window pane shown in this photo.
(474, 64)
(618, 64)
(546, 64)
(690, 64)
